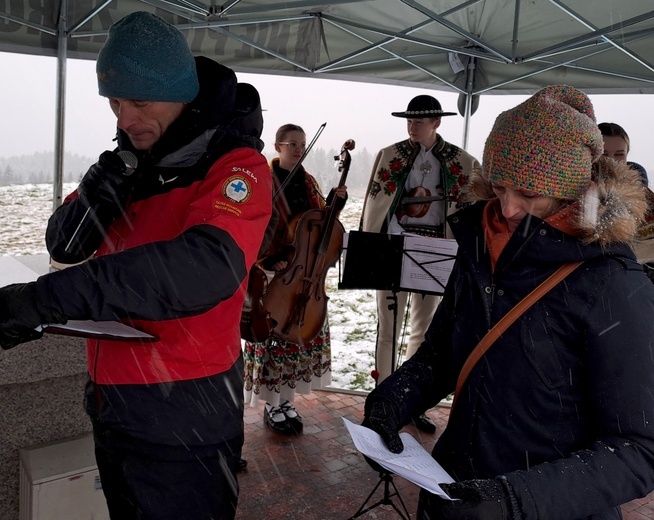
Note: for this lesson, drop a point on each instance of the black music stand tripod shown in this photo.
(387, 479)
(372, 263)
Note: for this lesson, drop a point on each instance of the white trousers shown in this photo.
(421, 313)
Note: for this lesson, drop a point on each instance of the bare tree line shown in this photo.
(38, 168)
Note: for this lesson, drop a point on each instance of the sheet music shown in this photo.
(427, 263)
(414, 463)
(346, 239)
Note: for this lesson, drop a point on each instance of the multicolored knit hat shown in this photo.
(546, 144)
(148, 59)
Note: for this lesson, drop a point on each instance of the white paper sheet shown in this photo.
(111, 330)
(427, 263)
(414, 463)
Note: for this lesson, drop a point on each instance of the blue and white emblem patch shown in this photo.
(237, 189)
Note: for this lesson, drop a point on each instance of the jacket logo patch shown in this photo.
(237, 188)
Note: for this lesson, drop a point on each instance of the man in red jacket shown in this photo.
(170, 246)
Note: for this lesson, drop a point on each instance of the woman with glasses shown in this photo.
(275, 370)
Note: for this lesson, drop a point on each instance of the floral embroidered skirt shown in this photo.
(275, 370)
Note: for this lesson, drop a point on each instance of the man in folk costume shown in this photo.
(424, 164)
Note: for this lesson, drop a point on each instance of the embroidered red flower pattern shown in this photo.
(275, 364)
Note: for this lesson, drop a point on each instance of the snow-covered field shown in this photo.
(24, 213)
(25, 210)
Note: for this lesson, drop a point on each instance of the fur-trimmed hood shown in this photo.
(611, 210)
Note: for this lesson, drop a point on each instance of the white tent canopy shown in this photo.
(472, 47)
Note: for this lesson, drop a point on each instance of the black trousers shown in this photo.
(144, 481)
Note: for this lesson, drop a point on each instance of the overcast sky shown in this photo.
(360, 111)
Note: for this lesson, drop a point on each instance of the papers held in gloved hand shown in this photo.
(108, 330)
(13, 270)
(414, 463)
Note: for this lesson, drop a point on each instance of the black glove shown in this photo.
(21, 312)
(106, 187)
(381, 417)
(490, 499)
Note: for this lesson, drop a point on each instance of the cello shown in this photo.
(295, 297)
(256, 323)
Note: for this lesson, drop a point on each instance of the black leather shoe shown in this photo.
(276, 420)
(424, 424)
(294, 419)
(241, 465)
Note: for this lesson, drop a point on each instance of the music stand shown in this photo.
(395, 263)
(387, 479)
(374, 261)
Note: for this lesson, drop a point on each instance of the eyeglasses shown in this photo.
(293, 145)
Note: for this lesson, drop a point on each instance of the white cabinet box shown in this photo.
(60, 481)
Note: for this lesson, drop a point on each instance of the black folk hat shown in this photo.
(423, 106)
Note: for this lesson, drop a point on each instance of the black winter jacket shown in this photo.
(563, 403)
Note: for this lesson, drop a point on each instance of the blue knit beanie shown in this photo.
(145, 58)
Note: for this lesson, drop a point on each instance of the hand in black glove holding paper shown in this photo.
(486, 499)
(21, 311)
(380, 416)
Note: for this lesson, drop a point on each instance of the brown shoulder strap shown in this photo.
(506, 321)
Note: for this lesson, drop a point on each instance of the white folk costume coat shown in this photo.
(390, 171)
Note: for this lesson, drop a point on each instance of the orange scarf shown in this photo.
(497, 233)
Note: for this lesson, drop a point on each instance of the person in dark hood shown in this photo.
(164, 230)
(554, 421)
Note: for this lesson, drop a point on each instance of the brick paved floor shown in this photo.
(320, 475)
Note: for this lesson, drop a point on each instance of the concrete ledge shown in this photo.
(49, 357)
(32, 414)
(41, 391)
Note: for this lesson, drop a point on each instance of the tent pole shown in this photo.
(62, 55)
(466, 120)
(470, 82)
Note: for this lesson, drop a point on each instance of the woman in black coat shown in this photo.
(556, 420)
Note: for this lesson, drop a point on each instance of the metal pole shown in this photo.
(62, 55)
(468, 109)
(466, 120)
